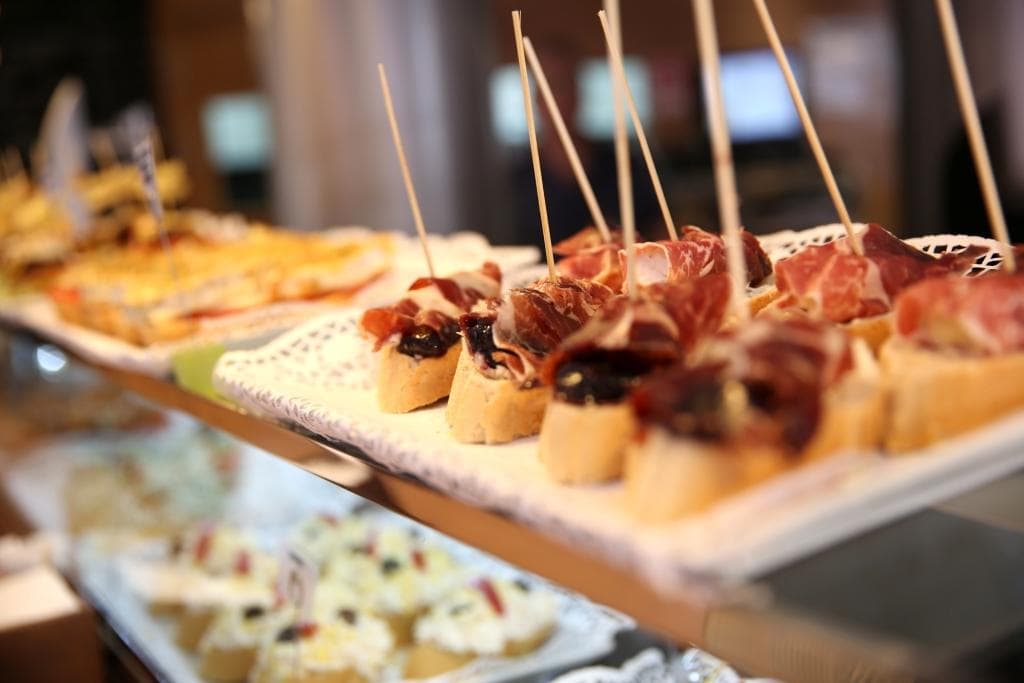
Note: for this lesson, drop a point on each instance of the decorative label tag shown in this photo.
(143, 156)
(62, 149)
(296, 583)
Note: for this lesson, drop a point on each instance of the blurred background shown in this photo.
(274, 106)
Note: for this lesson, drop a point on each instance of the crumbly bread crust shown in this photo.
(192, 624)
(405, 383)
(585, 444)
(427, 660)
(227, 665)
(485, 410)
(668, 477)
(935, 396)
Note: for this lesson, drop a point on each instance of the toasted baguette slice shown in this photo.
(485, 410)
(935, 396)
(763, 298)
(874, 330)
(405, 383)
(192, 624)
(427, 660)
(585, 444)
(668, 477)
(227, 664)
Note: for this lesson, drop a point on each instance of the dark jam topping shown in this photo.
(700, 413)
(349, 616)
(254, 612)
(458, 609)
(699, 403)
(296, 631)
(423, 341)
(599, 376)
(480, 337)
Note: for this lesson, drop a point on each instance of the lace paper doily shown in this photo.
(319, 377)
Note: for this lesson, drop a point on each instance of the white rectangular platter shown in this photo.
(320, 377)
(451, 252)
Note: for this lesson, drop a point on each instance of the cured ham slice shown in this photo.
(586, 256)
(975, 315)
(832, 282)
(695, 254)
(432, 305)
(762, 384)
(627, 338)
(585, 239)
(668, 319)
(529, 323)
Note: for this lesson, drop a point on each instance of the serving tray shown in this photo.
(320, 377)
(450, 252)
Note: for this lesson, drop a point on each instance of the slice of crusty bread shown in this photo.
(405, 383)
(762, 299)
(426, 660)
(854, 411)
(585, 444)
(935, 396)
(227, 664)
(668, 477)
(485, 410)
(874, 330)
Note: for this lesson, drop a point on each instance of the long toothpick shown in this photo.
(969, 110)
(620, 74)
(725, 177)
(410, 191)
(809, 131)
(623, 172)
(517, 25)
(570, 148)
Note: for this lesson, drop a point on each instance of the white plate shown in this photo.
(584, 632)
(453, 252)
(320, 377)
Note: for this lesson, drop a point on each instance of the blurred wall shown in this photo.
(199, 49)
(942, 193)
(335, 160)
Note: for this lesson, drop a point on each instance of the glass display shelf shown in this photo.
(934, 596)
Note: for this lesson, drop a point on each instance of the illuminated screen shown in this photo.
(758, 106)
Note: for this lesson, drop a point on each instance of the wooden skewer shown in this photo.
(410, 191)
(570, 148)
(809, 131)
(969, 110)
(620, 71)
(531, 127)
(623, 172)
(725, 178)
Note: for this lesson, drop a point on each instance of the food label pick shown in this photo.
(143, 156)
(296, 583)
